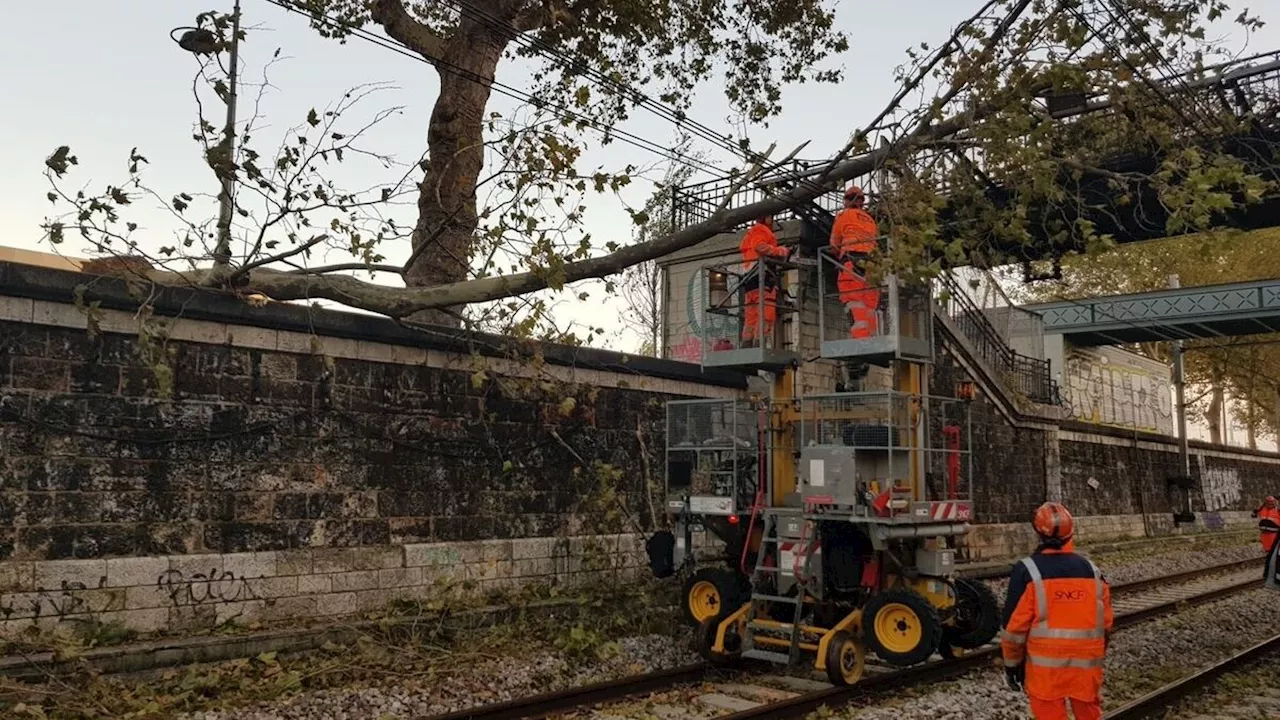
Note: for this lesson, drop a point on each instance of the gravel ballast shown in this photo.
(978, 695)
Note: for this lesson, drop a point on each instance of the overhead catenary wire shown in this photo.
(514, 93)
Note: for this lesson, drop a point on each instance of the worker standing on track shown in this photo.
(853, 239)
(760, 241)
(1057, 620)
(1268, 523)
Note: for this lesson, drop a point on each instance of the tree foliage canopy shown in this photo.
(972, 162)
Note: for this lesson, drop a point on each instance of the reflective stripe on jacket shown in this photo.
(1056, 619)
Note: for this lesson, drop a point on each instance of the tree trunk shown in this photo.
(1214, 414)
(1275, 410)
(447, 216)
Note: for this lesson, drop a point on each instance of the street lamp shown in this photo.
(202, 41)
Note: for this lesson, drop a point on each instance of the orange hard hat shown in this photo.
(1053, 521)
(853, 191)
(1270, 501)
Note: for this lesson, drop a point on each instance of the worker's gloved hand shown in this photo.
(1016, 677)
(1253, 514)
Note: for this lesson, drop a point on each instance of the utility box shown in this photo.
(936, 563)
(829, 476)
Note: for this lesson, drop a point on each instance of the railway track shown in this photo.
(733, 696)
(1157, 702)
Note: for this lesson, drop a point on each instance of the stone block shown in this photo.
(300, 343)
(143, 597)
(268, 588)
(59, 315)
(129, 572)
(332, 560)
(240, 613)
(144, 621)
(16, 577)
(200, 331)
(374, 351)
(377, 599)
(250, 564)
(17, 309)
(338, 603)
(378, 558)
(293, 608)
(526, 548)
(252, 337)
(534, 568)
(61, 574)
(356, 580)
(314, 584)
(205, 564)
(431, 554)
(405, 355)
(293, 562)
(400, 577)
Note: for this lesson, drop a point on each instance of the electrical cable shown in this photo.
(506, 90)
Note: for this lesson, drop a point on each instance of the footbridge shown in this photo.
(1208, 311)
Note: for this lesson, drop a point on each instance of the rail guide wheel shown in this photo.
(706, 641)
(846, 659)
(901, 627)
(975, 619)
(713, 593)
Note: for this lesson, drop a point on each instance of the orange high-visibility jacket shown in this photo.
(760, 240)
(1056, 619)
(1268, 527)
(854, 231)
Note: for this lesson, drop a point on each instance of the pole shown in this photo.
(1180, 395)
(226, 204)
(1180, 410)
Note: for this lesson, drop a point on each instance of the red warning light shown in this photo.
(733, 519)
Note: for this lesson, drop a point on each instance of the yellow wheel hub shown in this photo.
(704, 600)
(852, 661)
(898, 628)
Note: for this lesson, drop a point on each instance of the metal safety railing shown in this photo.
(1238, 88)
(1028, 376)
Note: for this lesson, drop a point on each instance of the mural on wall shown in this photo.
(1117, 388)
(1221, 486)
(697, 323)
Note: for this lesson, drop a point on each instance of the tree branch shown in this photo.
(400, 26)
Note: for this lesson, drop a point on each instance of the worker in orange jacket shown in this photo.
(760, 241)
(853, 239)
(1268, 523)
(1057, 620)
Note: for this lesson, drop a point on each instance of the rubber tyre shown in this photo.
(901, 627)
(846, 659)
(706, 638)
(713, 593)
(977, 616)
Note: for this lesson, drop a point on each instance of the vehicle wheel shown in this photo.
(706, 639)
(977, 616)
(845, 659)
(714, 593)
(901, 627)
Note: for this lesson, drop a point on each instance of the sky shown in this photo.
(110, 79)
(105, 77)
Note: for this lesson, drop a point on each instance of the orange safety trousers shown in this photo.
(751, 326)
(1057, 617)
(860, 299)
(1057, 709)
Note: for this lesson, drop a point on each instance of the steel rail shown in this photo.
(1156, 702)
(545, 705)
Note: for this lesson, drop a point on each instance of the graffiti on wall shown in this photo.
(698, 324)
(1221, 487)
(1119, 389)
